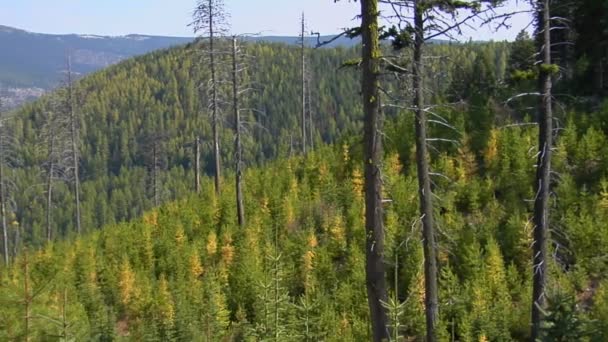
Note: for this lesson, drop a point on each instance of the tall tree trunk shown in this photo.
(64, 319)
(49, 202)
(214, 101)
(374, 251)
(16, 241)
(3, 202)
(49, 181)
(155, 175)
(74, 141)
(237, 127)
(303, 70)
(27, 298)
(599, 76)
(424, 181)
(309, 109)
(543, 171)
(197, 164)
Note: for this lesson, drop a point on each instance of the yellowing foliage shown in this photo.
(227, 254)
(603, 202)
(337, 231)
(151, 218)
(289, 211)
(195, 266)
(312, 241)
(491, 151)
(126, 283)
(393, 164)
(358, 183)
(211, 244)
(345, 153)
(264, 205)
(180, 236)
(165, 306)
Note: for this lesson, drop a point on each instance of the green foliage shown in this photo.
(550, 69)
(186, 271)
(563, 320)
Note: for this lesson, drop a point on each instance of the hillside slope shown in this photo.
(123, 107)
(34, 62)
(163, 94)
(295, 272)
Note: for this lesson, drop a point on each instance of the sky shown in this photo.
(171, 17)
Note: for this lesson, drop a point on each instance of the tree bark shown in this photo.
(375, 268)
(237, 124)
(197, 164)
(424, 181)
(155, 174)
(74, 141)
(49, 182)
(599, 76)
(214, 101)
(303, 57)
(3, 203)
(543, 171)
(309, 110)
(27, 298)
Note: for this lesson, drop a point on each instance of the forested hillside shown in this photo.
(157, 98)
(397, 190)
(185, 271)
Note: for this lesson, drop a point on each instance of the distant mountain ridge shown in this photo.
(36, 59)
(309, 41)
(32, 63)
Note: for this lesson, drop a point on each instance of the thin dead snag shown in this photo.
(237, 127)
(58, 154)
(424, 179)
(3, 211)
(74, 140)
(210, 22)
(543, 171)
(421, 21)
(303, 75)
(197, 164)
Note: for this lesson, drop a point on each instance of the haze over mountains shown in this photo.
(32, 63)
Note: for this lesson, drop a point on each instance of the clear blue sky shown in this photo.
(171, 17)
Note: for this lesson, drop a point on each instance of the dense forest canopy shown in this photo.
(157, 260)
(125, 105)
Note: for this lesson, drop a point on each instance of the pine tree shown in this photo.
(375, 273)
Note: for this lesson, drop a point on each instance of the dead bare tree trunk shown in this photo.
(214, 101)
(309, 111)
(154, 154)
(27, 297)
(424, 181)
(155, 174)
(375, 268)
(49, 179)
(64, 319)
(3, 201)
(74, 141)
(197, 164)
(210, 22)
(303, 71)
(237, 126)
(543, 171)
